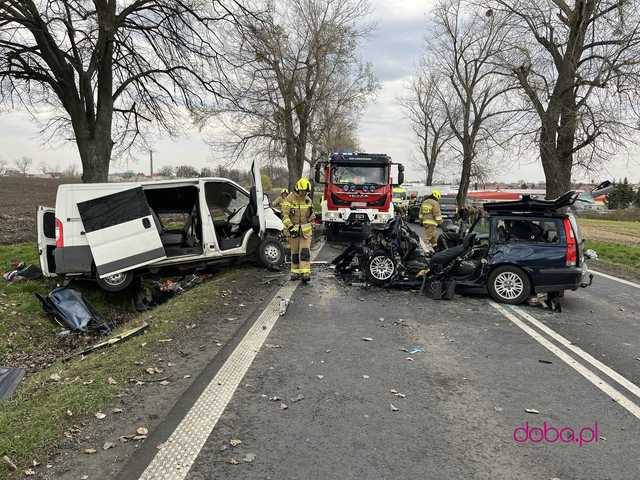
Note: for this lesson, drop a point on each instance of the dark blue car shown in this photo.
(527, 247)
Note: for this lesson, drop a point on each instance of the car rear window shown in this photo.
(528, 231)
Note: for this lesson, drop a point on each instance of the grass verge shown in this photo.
(35, 419)
(624, 257)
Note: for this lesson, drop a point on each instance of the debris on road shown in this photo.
(234, 442)
(9, 380)
(108, 445)
(283, 406)
(100, 416)
(249, 458)
(412, 350)
(298, 398)
(367, 339)
(533, 411)
(319, 377)
(283, 307)
(89, 451)
(394, 408)
(546, 362)
(232, 461)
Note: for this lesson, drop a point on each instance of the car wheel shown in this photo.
(509, 285)
(116, 282)
(380, 268)
(271, 253)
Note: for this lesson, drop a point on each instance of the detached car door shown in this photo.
(121, 232)
(257, 199)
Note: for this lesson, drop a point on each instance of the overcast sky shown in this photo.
(394, 49)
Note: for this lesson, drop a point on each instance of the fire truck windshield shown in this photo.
(359, 174)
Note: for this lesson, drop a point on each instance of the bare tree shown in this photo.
(3, 165)
(302, 47)
(166, 171)
(23, 164)
(578, 64)
(465, 48)
(428, 118)
(111, 67)
(71, 171)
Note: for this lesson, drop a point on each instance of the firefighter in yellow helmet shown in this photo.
(431, 217)
(277, 203)
(297, 214)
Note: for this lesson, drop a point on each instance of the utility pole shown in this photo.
(151, 163)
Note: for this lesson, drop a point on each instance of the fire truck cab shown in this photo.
(358, 189)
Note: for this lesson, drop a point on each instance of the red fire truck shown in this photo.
(357, 190)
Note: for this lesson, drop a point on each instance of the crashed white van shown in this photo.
(114, 231)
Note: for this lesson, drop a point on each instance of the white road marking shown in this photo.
(615, 279)
(177, 455)
(609, 390)
(609, 372)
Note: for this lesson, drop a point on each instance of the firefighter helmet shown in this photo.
(303, 185)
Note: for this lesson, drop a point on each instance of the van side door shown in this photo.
(121, 231)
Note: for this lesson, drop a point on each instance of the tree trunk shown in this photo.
(95, 155)
(556, 154)
(465, 176)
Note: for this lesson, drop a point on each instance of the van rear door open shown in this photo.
(47, 240)
(121, 232)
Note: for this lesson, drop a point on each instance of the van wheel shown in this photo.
(117, 282)
(509, 285)
(271, 253)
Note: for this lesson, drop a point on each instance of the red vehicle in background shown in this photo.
(357, 190)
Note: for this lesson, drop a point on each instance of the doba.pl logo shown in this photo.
(548, 434)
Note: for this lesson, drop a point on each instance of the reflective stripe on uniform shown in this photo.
(307, 228)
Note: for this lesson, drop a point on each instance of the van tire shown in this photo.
(509, 285)
(271, 253)
(122, 282)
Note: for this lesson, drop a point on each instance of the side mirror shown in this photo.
(602, 189)
(400, 174)
(318, 176)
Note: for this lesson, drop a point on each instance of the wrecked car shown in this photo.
(519, 249)
(113, 232)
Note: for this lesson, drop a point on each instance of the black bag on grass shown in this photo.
(72, 311)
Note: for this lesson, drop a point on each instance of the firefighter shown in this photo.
(297, 214)
(279, 202)
(431, 217)
(467, 216)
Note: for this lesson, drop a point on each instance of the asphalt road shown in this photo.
(461, 400)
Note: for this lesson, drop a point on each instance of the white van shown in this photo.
(113, 231)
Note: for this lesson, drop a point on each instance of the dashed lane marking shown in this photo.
(608, 389)
(177, 455)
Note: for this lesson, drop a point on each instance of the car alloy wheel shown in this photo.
(381, 268)
(508, 285)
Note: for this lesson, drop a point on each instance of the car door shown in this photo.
(260, 224)
(47, 240)
(121, 231)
